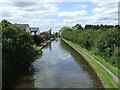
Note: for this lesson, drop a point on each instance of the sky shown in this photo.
(59, 13)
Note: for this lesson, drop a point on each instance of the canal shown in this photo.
(60, 67)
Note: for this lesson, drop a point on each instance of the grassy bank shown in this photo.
(114, 70)
(42, 44)
(106, 78)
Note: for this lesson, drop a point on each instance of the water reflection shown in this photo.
(48, 46)
(61, 67)
(80, 60)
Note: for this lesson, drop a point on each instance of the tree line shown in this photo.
(17, 52)
(102, 40)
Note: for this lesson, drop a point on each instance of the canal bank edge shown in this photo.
(46, 43)
(39, 48)
(105, 78)
(87, 62)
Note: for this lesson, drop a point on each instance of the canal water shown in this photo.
(60, 67)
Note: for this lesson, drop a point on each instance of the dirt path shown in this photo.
(113, 76)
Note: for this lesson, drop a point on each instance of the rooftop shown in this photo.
(20, 26)
(34, 28)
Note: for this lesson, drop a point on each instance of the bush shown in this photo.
(37, 39)
(17, 51)
(103, 40)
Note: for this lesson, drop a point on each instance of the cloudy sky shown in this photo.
(57, 14)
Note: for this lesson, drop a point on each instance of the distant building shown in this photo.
(24, 27)
(44, 34)
(34, 30)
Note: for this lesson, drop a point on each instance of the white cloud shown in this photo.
(72, 14)
(81, 6)
(32, 14)
(46, 1)
(106, 12)
(29, 9)
(42, 14)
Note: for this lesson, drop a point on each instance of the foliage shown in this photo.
(77, 27)
(50, 33)
(17, 50)
(106, 78)
(37, 39)
(103, 40)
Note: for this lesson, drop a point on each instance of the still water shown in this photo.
(60, 67)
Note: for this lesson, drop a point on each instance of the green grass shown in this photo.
(114, 70)
(107, 79)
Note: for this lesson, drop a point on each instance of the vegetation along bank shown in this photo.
(100, 41)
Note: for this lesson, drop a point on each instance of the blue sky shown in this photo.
(55, 15)
(75, 6)
(72, 6)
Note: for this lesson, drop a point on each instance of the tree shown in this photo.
(50, 33)
(102, 40)
(78, 27)
(5, 24)
(37, 39)
(17, 51)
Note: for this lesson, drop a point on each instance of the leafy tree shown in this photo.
(17, 51)
(5, 23)
(50, 33)
(77, 27)
(103, 40)
(37, 39)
